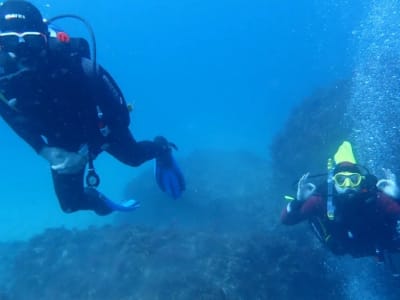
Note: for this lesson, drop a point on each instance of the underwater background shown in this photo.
(207, 75)
(254, 93)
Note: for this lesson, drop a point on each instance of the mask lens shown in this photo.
(9, 42)
(340, 179)
(35, 41)
(355, 179)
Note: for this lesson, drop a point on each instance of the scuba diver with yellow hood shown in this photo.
(352, 212)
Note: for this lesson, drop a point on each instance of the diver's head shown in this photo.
(348, 178)
(23, 31)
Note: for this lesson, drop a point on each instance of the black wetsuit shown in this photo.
(55, 105)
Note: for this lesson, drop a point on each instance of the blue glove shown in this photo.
(167, 172)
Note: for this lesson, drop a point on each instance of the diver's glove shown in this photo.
(304, 189)
(167, 172)
(388, 185)
(65, 162)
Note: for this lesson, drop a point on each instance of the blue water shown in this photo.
(206, 74)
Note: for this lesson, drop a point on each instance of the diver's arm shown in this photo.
(297, 211)
(389, 205)
(25, 128)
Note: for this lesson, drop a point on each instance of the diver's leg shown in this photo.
(123, 146)
(72, 195)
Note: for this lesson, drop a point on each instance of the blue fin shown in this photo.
(169, 176)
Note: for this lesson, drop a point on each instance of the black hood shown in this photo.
(21, 16)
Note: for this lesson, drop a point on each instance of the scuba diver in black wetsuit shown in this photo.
(69, 109)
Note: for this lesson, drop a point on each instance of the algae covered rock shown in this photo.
(312, 133)
(139, 263)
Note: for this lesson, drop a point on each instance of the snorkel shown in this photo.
(330, 207)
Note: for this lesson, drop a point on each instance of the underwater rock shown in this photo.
(226, 191)
(131, 262)
(312, 133)
(222, 240)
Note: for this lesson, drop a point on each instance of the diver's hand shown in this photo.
(304, 188)
(53, 155)
(388, 184)
(65, 162)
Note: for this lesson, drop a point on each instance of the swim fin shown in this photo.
(128, 205)
(102, 205)
(169, 176)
